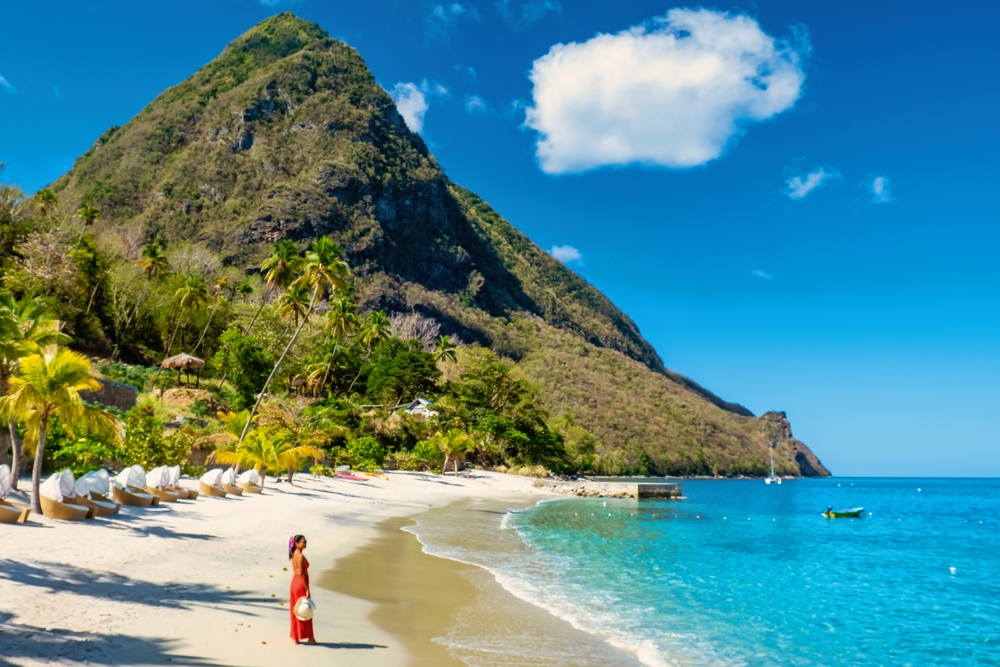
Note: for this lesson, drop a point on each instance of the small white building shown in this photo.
(418, 408)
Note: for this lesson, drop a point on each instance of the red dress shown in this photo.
(301, 630)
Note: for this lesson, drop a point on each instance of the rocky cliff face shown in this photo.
(287, 135)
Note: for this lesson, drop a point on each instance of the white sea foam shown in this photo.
(594, 612)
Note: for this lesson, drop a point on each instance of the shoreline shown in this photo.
(205, 582)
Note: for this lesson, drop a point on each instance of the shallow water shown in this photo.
(742, 573)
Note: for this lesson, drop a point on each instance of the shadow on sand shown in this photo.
(55, 645)
(54, 577)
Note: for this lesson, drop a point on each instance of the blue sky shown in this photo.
(816, 233)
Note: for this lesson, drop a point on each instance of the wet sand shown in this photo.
(449, 613)
(416, 596)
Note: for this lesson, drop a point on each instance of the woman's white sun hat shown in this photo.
(305, 609)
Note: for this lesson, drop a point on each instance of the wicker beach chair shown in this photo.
(85, 489)
(9, 512)
(228, 482)
(249, 481)
(210, 485)
(156, 482)
(56, 496)
(128, 488)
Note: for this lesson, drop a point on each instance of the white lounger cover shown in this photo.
(229, 477)
(95, 481)
(6, 480)
(174, 476)
(157, 477)
(60, 487)
(212, 477)
(250, 476)
(134, 477)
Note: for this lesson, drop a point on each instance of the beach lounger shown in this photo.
(56, 497)
(131, 498)
(85, 492)
(249, 481)
(9, 512)
(172, 484)
(129, 486)
(100, 507)
(64, 511)
(228, 482)
(210, 485)
(156, 482)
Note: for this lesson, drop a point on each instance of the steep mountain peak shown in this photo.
(287, 135)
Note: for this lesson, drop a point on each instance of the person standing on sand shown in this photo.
(299, 589)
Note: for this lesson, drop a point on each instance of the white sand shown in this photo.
(200, 582)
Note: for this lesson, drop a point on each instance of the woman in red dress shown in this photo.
(300, 589)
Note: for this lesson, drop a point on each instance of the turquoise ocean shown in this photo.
(744, 573)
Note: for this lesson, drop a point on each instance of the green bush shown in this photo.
(428, 452)
(366, 453)
(84, 454)
(146, 445)
(247, 365)
(320, 471)
(137, 376)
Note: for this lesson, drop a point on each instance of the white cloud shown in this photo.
(799, 186)
(474, 103)
(8, 86)
(567, 254)
(412, 101)
(528, 12)
(880, 190)
(671, 93)
(762, 274)
(443, 15)
(467, 70)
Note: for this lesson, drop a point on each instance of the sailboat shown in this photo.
(772, 477)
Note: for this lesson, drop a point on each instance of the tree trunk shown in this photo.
(291, 473)
(205, 330)
(260, 397)
(36, 473)
(263, 302)
(367, 357)
(326, 375)
(18, 461)
(169, 346)
(444, 468)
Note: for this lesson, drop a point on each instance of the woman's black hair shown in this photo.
(291, 544)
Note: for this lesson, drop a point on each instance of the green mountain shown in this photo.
(287, 135)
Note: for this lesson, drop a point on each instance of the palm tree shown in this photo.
(341, 323)
(322, 269)
(48, 385)
(154, 263)
(342, 319)
(280, 269)
(191, 295)
(221, 285)
(256, 451)
(291, 456)
(376, 329)
(455, 444)
(45, 202)
(25, 327)
(89, 214)
(444, 349)
(293, 303)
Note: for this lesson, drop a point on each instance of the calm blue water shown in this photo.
(742, 573)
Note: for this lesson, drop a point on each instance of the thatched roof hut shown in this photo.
(184, 362)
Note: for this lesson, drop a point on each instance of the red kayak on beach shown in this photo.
(347, 475)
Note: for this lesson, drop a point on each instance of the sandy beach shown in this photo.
(205, 582)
